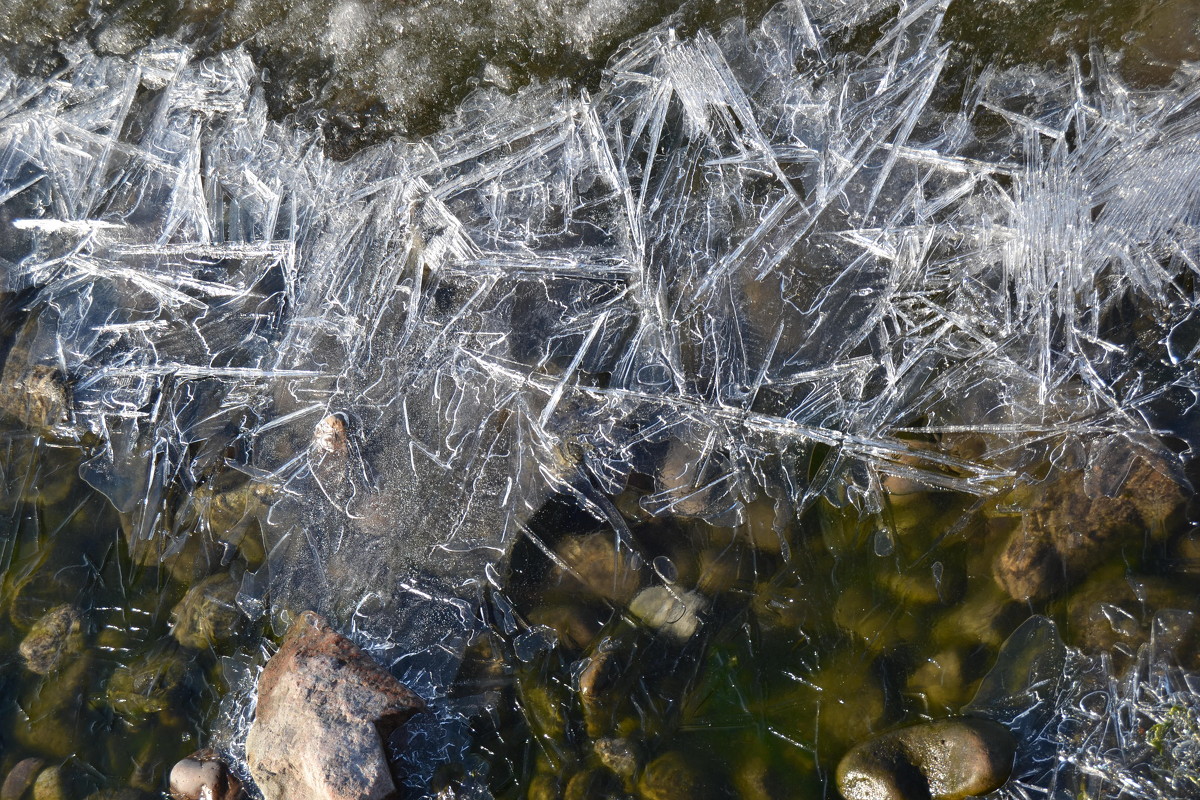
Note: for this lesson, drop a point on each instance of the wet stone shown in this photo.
(324, 709)
(204, 776)
(149, 684)
(672, 776)
(601, 691)
(20, 778)
(947, 759)
(54, 711)
(1071, 528)
(51, 784)
(35, 394)
(619, 755)
(940, 680)
(574, 625)
(543, 787)
(208, 614)
(596, 783)
(331, 435)
(670, 610)
(56, 636)
(604, 569)
(123, 793)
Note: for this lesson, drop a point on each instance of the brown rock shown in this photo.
(324, 709)
(1029, 566)
(331, 435)
(1069, 530)
(946, 759)
(56, 637)
(36, 394)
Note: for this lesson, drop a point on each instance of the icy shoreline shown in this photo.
(749, 272)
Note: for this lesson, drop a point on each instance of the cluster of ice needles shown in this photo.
(777, 263)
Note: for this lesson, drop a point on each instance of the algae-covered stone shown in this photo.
(55, 711)
(575, 625)
(602, 683)
(51, 784)
(985, 616)
(940, 680)
(208, 613)
(881, 624)
(788, 611)
(149, 684)
(122, 793)
(943, 760)
(620, 755)
(598, 565)
(593, 783)
(57, 636)
(672, 776)
(545, 708)
(543, 787)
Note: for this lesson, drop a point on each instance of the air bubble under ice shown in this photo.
(752, 266)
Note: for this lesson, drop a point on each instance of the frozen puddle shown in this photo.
(756, 270)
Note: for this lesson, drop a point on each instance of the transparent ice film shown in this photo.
(760, 268)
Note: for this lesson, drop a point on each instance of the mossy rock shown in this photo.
(56, 638)
(150, 684)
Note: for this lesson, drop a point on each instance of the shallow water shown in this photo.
(694, 507)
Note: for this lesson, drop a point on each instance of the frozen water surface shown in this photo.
(761, 274)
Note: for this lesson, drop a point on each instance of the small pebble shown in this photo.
(331, 435)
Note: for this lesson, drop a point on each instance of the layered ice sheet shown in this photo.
(753, 265)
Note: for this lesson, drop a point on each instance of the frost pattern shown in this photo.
(753, 265)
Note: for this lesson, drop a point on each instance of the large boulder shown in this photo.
(324, 711)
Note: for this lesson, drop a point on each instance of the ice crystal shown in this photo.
(753, 265)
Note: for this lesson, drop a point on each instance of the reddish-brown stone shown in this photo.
(324, 709)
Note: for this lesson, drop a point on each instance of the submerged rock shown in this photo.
(149, 685)
(1072, 528)
(123, 793)
(20, 778)
(943, 760)
(324, 709)
(208, 613)
(55, 711)
(598, 565)
(36, 395)
(672, 776)
(55, 637)
(672, 611)
(51, 784)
